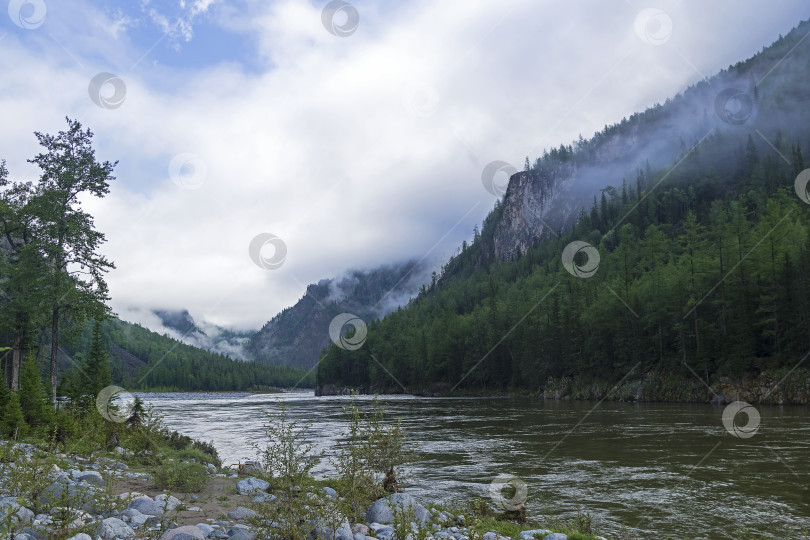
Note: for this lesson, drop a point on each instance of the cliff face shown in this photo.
(536, 204)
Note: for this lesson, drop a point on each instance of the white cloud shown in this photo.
(323, 147)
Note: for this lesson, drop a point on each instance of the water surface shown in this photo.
(656, 469)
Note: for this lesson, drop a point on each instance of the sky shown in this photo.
(265, 145)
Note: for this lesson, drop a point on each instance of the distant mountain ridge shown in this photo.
(297, 335)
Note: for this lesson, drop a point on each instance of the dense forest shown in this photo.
(696, 266)
(53, 291)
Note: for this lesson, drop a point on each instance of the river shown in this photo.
(654, 469)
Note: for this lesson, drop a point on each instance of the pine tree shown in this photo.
(13, 423)
(32, 395)
(98, 364)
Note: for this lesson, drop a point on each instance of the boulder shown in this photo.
(81, 536)
(240, 512)
(556, 536)
(250, 486)
(360, 528)
(530, 534)
(205, 528)
(240, 532)
(382, 511)
(146, 505)
(114, 528)
(188, 532)
(167, 502)
(21, 514)
(91, 477)
(329, 492)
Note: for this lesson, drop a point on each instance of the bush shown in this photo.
(183, 476)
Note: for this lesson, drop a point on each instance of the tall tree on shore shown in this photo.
(20, 266)
(65, 235)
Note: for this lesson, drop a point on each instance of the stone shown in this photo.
(91, 477)
(205, 528)
(556, 536)
(460, 521)
(240, 532)
(250, 486)
(240, 512)
(530, 534)
(146, 505)
(360, 528)
(167, 502)
(22, 515)
(81, 536)
(382, 510)
(114, 528)
(329, 492)
(188, 532)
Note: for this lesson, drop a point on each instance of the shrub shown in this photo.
(177, 475)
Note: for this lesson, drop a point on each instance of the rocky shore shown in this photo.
(791, 388)
(103, 498)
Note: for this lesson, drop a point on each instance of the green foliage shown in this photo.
(288, 460)
(179, 475)
(32, 395)
(13, 424)
(370, 448)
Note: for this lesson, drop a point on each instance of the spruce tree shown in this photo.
(32, 396)
(98, 364)
(13, 423)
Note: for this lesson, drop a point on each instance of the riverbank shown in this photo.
(48, 494)
(769, 388)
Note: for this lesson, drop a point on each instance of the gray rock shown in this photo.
(167, 502)
(205, 528)
(382, 510)
(114, 528)
(23, 536)
(360, 528)
(329, 492)
(358, 536)
(188, 532)
(22, 515)
(460, 521)
(34, 532)
(490, 536)
(264, 497)
(530, 534)
(241, 512)
(146, 505)
(556, 536)
(81, 536)
(91, 477)
(249, 486)
(240, 532)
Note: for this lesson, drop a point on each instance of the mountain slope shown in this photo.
(688, 257)
(296, 336)
(142, 359)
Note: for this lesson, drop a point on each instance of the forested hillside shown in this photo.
(696, 265)
(144, 360)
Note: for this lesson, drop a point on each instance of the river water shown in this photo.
(647, 470)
